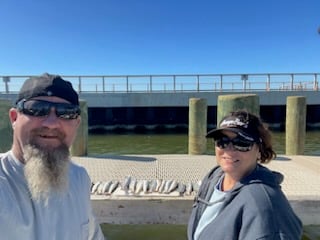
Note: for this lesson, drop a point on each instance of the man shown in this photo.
(43, 195)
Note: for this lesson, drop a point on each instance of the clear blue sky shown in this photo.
(123, 37)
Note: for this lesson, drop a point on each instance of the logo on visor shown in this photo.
(234, 123)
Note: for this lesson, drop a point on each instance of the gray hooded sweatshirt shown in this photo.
(256, 208)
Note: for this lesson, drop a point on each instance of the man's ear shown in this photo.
(13, 115)
(78, 121)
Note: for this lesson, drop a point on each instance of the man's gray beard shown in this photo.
(46, 171)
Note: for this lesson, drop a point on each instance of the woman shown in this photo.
(240, 198)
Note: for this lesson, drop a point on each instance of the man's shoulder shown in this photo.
(4, 155)
(4, 162)
(78, 171)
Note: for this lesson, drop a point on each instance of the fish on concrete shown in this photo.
(159, 182)
(99, 189)
(132, 185)
(162, 186)
(145, 186)
(152, 186)
(95, 187)
(173, 186)
(106, 185)
(167, 186)
(113, 186)
(196, 186)
(189, 188)
(181, 188)
(125, 184)
(139, 187)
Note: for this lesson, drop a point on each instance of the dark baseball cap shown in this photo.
(242, 123)
(48, 85)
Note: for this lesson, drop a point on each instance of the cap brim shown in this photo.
(216, 133)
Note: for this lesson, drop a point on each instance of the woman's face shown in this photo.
(235, 163)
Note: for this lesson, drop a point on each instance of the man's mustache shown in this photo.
(44, 131)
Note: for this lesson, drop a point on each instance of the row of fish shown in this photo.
(132, 186)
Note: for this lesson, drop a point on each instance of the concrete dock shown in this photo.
(301, 185)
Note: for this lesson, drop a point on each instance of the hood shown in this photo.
(260, 175)
(263, 175)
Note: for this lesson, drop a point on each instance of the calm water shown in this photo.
(151, 143)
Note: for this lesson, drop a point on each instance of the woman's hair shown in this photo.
(265, 143)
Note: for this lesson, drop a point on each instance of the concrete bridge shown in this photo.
(175, 90)
(141, 100)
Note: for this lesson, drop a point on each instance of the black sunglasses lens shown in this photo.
(242, 145)
(222, 142)
(239, 144)
(67, 111)
(36, 108)
(39, 108)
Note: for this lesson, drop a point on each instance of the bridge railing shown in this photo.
(181, 82)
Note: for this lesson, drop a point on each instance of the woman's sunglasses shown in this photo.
(239, 144)
(41, 108)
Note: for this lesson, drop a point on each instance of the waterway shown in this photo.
(176, 143)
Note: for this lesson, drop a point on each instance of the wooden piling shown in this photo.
(80, 144)
(296, 112)
(232, 102)
(6, 133)
(197, 126)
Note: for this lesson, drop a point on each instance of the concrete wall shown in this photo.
(176, 211)
(180, 99)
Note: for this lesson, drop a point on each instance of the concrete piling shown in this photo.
(296, 111)
(5, 125)
(232, 102)
(80, 144)
(197, 142)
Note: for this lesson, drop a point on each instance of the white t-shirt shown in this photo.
(65, 217)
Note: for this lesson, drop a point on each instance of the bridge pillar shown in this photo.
(197, 126)
(6, 133)
(232, 102)
(80, 144)
(295, 125)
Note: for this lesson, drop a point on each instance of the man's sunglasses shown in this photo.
(239, 144)
(41, 108)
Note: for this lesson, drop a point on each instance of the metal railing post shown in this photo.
(244, 78)
(268, 82)
(127, 79)
(315, 83)
(221, 82)
(292, 79)
(174, 83)
(150, 82)
(198, 83)
(79, 84)
(6, 80)
(103, 82)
